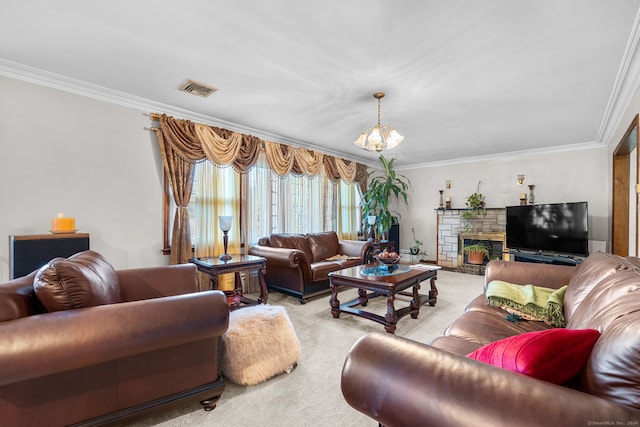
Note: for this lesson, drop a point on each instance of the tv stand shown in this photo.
(545, 258)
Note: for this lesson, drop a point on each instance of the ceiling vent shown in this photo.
(197, 88)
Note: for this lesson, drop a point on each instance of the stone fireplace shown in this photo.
(450, 225)
(496, 241)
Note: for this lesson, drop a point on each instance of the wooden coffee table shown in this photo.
(371, 282)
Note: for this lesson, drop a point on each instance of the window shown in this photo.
(269, 204)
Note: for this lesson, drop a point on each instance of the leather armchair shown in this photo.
(157, 346)
(299, 264)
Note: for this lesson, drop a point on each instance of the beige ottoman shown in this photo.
(259, 344)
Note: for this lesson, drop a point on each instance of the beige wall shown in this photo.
(563, 176)
(94, 160)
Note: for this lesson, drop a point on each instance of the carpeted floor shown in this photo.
(310, 395)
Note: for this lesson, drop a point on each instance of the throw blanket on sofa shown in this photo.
(532, 302)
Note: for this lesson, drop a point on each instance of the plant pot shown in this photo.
(475, 257)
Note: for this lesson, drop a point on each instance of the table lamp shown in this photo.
(371, 220)
(225, 226)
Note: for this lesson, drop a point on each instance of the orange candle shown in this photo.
(62, 224)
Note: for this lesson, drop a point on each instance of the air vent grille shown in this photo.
(197, 88)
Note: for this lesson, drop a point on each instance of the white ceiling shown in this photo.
(463, 78)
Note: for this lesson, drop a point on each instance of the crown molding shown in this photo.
(40, 77)
(506, 156)
(625, 87)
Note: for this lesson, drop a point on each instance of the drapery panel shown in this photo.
(180, 174)
(183, 143)
(197, 142)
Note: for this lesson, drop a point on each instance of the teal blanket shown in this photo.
(533, 302)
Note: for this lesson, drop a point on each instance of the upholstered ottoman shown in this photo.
(259, 344)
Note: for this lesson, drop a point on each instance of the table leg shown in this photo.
(363, 300)
(334, 302)
(237, 288)
(214, 281)
(264, 293)
(391, 317)
(415, 301)
(433, 293)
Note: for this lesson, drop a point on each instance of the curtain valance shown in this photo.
(195, 142)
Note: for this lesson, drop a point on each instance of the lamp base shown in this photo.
(225, 257)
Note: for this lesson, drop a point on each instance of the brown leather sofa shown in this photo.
(84, 344)
(297, 264)
(400, 382)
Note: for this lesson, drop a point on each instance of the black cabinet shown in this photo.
(30, 252)
(394, 236)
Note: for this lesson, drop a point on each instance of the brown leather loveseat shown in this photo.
(299, 264)
(400, 382)
(84, 344)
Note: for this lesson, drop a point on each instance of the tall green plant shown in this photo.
(382, 186)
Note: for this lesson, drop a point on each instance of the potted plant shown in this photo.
(384, 185)
(476, 253)
(475, 206)
(417, 244)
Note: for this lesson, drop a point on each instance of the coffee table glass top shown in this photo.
(385, 270)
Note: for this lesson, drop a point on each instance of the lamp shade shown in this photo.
(379, 137)
(225, 222)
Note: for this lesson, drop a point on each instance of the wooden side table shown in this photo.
(237, 264)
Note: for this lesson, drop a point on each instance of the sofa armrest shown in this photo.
(281, 257)
(400, 382)
(50, 343)
(527, 273)
(357, 248)
(153, 282)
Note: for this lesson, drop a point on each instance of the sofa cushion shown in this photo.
(323, 245)
(484, 327)
(588, 274)
(612, 370)
(595, 309)
(320, 270)
(555, 355)
(292, 241)
(83, 280)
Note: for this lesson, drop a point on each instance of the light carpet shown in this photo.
(310, 395)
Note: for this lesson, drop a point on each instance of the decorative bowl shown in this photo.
(388, 260)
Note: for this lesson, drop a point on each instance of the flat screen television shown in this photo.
(557, 228)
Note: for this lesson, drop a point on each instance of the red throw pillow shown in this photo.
(554, 355)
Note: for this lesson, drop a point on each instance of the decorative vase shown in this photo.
(441, 199)
(531, 198)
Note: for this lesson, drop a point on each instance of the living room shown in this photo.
(74, 146)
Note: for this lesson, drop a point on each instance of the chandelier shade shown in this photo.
(379, 137)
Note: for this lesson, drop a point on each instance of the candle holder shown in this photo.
(225, 226)
(441, 199)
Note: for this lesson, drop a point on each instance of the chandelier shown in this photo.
(379, 137)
